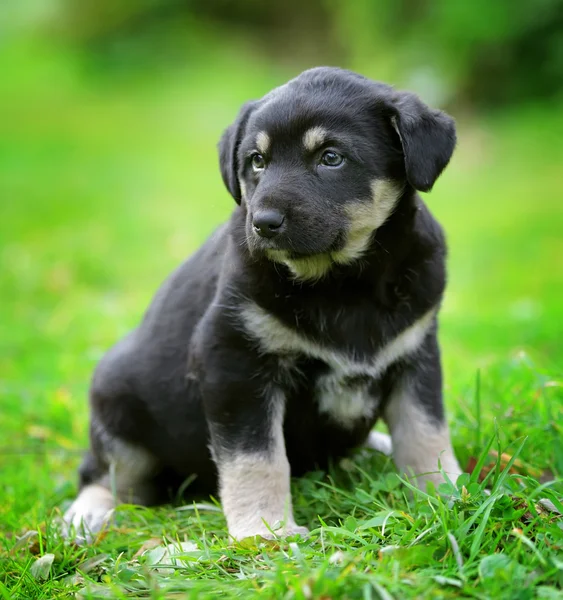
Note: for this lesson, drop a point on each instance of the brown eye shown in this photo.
(258, 162)
(331, 159)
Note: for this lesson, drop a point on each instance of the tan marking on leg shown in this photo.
(419, 445)
(255, 487)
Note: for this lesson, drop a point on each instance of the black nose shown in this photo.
(267, 223)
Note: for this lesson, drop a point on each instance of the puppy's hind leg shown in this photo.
(124, 473)
(90, 512)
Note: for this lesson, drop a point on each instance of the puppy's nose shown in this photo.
(267, 223)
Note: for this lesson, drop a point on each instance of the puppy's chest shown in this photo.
(344, 391)
(347, 399)
(347, 386)
(340, 386)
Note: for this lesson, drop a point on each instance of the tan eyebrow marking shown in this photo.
(263, 142)
(314, 138)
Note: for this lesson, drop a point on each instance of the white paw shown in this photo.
(290, 531)
(88, 514)
(436, 478)
(380, 442)
(271, 533)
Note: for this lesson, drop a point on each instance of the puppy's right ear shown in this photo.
(228, 150)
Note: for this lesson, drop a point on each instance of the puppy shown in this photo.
(310, 314)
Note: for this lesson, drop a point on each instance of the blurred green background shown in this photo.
(110, 112)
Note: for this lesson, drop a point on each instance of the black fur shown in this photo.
(190, 374)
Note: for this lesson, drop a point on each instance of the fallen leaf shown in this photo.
(171, 555)
(91, 563)
(337, 558)
(490, 566)
(74, 580)
(25, 541)
(548, 506)
(148, 545)
(94, 591)
(441, 580)
(41, 568)
(518, 467)
(547, 475)
(471, 464)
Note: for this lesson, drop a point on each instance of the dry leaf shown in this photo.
(518, 467)
(148, 545)
(91, 563)
(171, 555)
(41, 568)
(25, 541)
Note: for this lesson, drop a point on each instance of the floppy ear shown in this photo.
(228, 148)
(428, 138)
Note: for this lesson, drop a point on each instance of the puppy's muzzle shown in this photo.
(268, 223)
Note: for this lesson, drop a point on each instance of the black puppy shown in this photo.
(308, 315)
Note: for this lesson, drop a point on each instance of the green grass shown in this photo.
(105, 186)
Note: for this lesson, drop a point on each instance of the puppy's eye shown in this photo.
(258, 162)
(331, 159)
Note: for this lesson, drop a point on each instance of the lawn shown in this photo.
(106, 184)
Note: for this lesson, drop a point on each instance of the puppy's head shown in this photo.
(321, 162)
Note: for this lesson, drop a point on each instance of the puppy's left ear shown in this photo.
(228, 150)
(428, 138)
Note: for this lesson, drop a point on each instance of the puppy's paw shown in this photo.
(273, 533)
(290, 531)
(436, 479)
(88, 514)
(380, 442)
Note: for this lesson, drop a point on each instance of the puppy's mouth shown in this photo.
(309, 267)
(284, 247)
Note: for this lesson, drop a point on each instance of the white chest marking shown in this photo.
(345, 403)
(274, 337)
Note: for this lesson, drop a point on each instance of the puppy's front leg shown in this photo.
(248, 445)
(415, 416)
